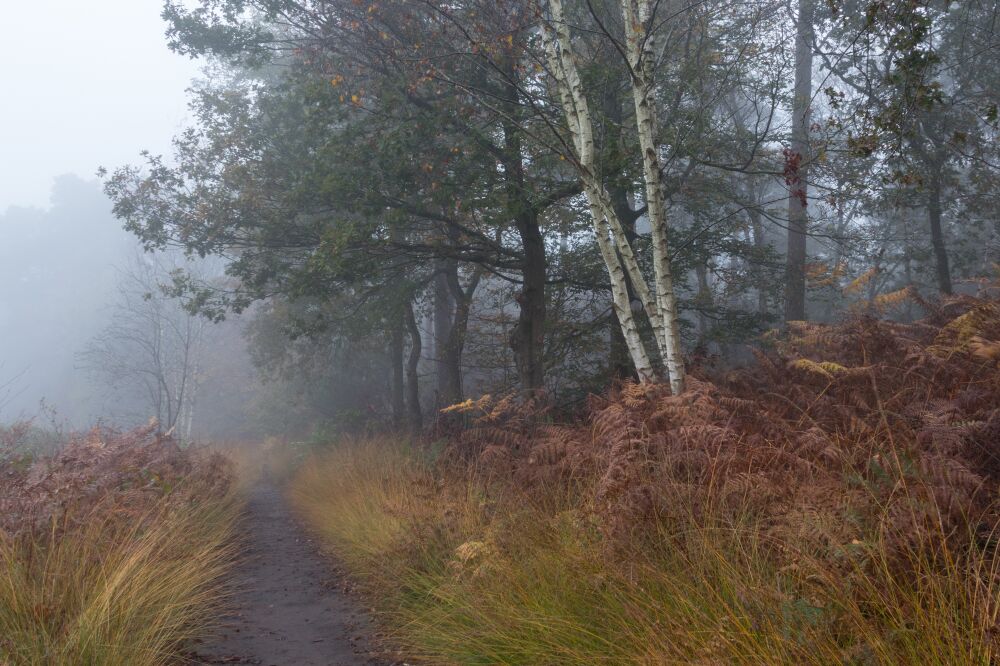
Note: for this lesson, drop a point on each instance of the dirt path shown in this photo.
(289, 608)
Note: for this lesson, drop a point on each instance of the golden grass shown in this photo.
(471, 572)
(114, 591)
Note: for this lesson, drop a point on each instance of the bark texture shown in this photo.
(414, 413)
(798, 219)
(659, 302)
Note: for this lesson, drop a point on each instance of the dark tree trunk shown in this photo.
(455, 344)
(619, 362)
(415, 416)
(528, 337)
(798, 160)
(937, 233)
(450, 388)
(396, 359)
(442, 331)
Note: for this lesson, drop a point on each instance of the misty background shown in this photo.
(86, 85)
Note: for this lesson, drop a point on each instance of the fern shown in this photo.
(868, 425)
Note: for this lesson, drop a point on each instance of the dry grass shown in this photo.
(111, 594)
(471, 571)
(114, 558)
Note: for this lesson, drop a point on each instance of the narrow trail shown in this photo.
(289, 609)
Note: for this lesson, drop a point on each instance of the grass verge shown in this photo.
(469, 571)
(113, 551)
(115, 594)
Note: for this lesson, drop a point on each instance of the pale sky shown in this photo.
(83, 85)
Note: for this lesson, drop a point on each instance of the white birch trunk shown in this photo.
(620, 299)
(640, 52)
(577, 112)
(659, 303)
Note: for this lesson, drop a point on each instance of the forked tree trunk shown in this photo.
(640, 43)
(659, 303)
(574, 103)
(454, 346)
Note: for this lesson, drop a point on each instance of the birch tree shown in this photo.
(659, 301)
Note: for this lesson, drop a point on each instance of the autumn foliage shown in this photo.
(104, 472)
(842, 429)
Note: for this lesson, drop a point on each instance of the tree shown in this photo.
(916, 90)
(797, 160)
(685, 63)
(400, 58)
(150, 351)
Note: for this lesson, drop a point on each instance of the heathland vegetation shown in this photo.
(113, 549)
(614, 331)
(835, 503)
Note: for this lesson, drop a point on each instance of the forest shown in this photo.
(520, 332)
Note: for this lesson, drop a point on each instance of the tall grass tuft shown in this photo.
(113, 594)
(833, 503)
(113, 552)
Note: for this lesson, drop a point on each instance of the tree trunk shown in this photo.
(640, 41)
(621, 301)
(618, 359)
(908, 278)
(608, 230)
(618, 355)
(442, 331)
(704, 299)
(528, 337)
(937, 233)
(455, 344)
(760, 246)
(396, 360)
(797, 167)
(415, 416)
(659, 302)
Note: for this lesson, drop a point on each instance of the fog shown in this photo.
(56, 277)
(381, 269)
(569, 331)
(84, 85)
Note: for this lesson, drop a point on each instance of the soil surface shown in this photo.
(289, 609)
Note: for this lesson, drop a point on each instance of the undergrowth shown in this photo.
(469, 571)
(112, 551)
(833, 504)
